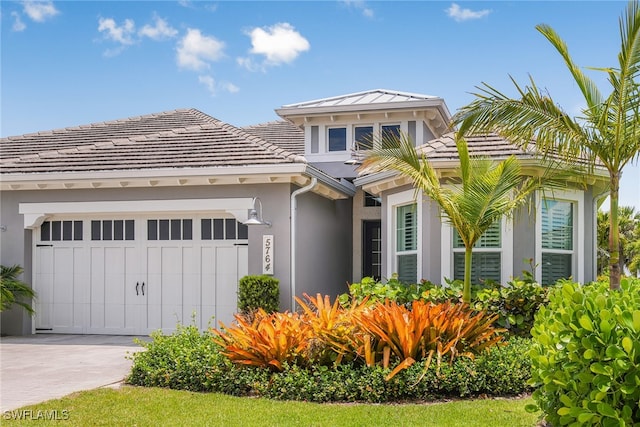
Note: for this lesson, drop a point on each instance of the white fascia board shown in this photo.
(382, 106)
(36, 213)
(48, 177)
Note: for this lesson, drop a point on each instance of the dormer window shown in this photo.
(337, 139)
(363, 137)
(390, 131)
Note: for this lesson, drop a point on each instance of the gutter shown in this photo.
(294, 207)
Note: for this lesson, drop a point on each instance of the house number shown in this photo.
(267, 254)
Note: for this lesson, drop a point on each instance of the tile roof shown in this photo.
(491, 145)
(282, 133)
(179, 138)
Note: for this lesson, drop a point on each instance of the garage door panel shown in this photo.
(137, 286)
(226, 284)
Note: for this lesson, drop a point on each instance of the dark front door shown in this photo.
(372, 249)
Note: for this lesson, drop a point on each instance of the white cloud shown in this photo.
(18, 25)
(212, 86)
(122, 34)
(248, 63)
(459, 15)
(229, 87)
(280, 43)
(160, 31)
(361, 6)
(39, 11)
(196, 50)
(209, 83)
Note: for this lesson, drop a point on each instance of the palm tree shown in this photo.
(12, 290)
(607, 134)
(487, 190)
(629, 244)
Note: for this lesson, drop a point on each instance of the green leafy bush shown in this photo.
(501, 371)
(515, 303)
(586, 355)
(188, 360)
(256, 292)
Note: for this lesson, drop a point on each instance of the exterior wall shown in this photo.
(16, 242)
(360, 213)
(323, 245)
(431, 241)
(524, 240)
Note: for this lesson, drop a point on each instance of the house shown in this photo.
(133, 225)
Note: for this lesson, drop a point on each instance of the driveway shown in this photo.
(40, 367)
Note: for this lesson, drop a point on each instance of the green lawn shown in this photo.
(138, 406)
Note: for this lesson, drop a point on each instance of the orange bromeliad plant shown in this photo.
(335, 334)
(423, 331)
(268, 341)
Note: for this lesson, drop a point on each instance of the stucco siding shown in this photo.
(323, 245)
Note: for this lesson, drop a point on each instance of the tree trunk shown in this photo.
(466, 290)
(614, 235)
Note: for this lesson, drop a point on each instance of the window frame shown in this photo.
(346, 139)
(393, 202)
(506, 251)
(576, 198)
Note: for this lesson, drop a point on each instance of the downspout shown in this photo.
(294, 207)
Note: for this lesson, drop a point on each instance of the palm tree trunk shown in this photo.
(466, 289)
(614, 236)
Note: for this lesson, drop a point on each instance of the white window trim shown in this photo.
(577, 198)
(506, 250)
(394, 201)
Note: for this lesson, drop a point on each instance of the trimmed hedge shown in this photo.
(189, 360)
(256, 292)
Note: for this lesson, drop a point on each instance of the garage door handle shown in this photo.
(137, 284)
(143, 288)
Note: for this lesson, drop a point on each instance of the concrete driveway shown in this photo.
(41, 367)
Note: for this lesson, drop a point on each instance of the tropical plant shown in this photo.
(269, 341)
(606, 134)
(629, 227)
(423, 332)
(335, 334)
(14, 291)
(585, 356)
(488, 190)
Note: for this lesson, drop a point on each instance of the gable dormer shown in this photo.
(334, 126)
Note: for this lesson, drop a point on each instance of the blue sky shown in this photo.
(76, 62)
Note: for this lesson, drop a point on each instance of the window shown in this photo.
(223, 229)
(363, 137)
(557, 240)
(169, 229)
(486, 258)
(337, 139)
(390, 131)
(371, 201)
(112, 229)
(60, 230)
(407, 243)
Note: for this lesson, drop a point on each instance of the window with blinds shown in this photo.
(557, 240)
(407, 243)
(486, 262)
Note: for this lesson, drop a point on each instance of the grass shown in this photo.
(139, 406)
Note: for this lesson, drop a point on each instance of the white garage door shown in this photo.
(133, 275)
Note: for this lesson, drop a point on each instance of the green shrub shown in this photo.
(256, 292)
(586, 355)
(188, 360)
(515, 303)
(501, 371)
